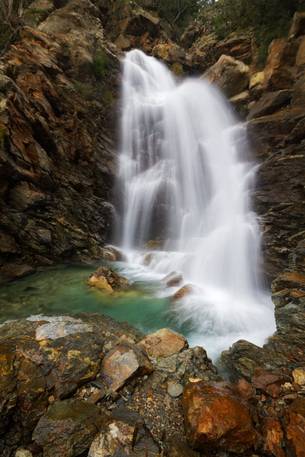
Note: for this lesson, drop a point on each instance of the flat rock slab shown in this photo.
(163, 343)
(122, 363)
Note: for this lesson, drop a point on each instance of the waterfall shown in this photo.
(185, 176)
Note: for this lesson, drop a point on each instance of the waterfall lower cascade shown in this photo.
(185, 178)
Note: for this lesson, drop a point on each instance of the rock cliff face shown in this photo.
(58, 93)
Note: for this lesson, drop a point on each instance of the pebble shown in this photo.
(174, 389)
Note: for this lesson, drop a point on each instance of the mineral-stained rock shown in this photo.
(122, 363)
(298, 375)
(68, 428)
(216, 419)
(107, 280)
(279, 71)
(295, 429)
(273, 437)
(232, 76)
(163, 343)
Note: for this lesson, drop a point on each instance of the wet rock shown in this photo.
(183, 292)
(173, 279)
(216, 419)
(270, 102)
(12, 271)
(107, 280)
(163, 343)
(113, 254)
(122, 363)
(68, 428)
(273, 437)
(231, 75)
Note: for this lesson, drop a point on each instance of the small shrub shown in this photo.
(101, 64)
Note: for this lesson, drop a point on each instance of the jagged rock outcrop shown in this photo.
(58, 91)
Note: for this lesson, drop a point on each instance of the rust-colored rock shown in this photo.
(295, 429)
(163, 343)
(215, 419)
(183, 292)
(107, 280)
(273, 437)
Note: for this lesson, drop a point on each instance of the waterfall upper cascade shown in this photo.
(185, 174)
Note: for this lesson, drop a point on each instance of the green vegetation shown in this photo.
(268, 19)
(101, 64)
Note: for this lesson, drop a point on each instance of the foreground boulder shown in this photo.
(163, 343)
(122, 363)
(216, 419)
(68, 428)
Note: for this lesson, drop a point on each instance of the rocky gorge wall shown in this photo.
(58, 92)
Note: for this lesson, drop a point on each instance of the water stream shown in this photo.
(185, 176)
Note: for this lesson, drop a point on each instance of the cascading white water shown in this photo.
(185, 176)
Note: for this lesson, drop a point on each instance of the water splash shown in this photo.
(185, 175)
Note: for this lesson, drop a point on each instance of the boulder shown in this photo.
(124, 434)
(270, 102)
(122, 363)
(215, 419)
(182, 292)
(113, 254)
(163, 343)
(172, 279)
(107, 280)
(279, 70)
(68, 428)
(230, 75)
